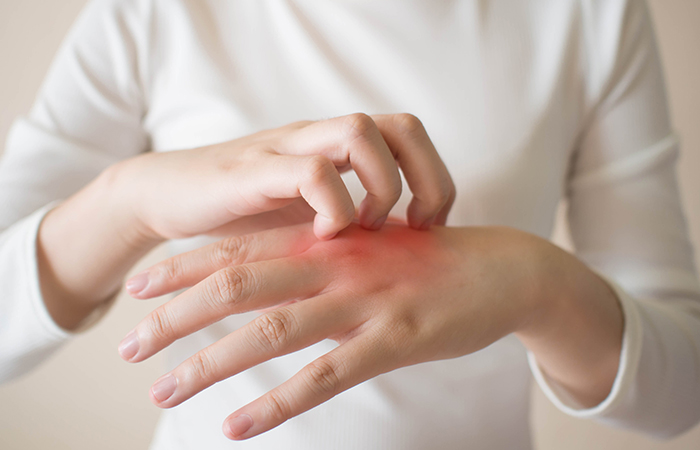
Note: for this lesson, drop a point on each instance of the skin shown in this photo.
(273, 178)
(365, 289)
(390, 298)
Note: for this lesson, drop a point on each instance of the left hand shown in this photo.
(390, 298)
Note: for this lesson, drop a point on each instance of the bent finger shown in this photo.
(426, 174)
(315, 179)
(354, 140)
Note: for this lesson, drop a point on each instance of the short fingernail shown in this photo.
(164, 388)
(239, 425)
(129, 346)
(379, 222)
(321, 226)
(137, 283)
(328, 237)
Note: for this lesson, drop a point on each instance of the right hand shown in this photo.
(185, 193)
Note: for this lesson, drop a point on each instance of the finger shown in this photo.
(231, 290)
(276, 333)
(354, 140)
(316, 179)
(190, 268)
(441, 218)
(348, 365)
(425, 172)
(295, 213)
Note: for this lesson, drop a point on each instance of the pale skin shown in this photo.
(449, 291)
(390, 298)
(272, 178)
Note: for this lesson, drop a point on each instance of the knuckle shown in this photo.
(347, 214)
(358, 126)
(400, 332)
(228, 286)
(319, 168)
(202, 366)
(161, 325)
(439, 194)
(274, 329)
(171, 269)
(388, 194)
(277, 408)
(394, 192)
(406, 123)
(232, 251)
(324, 377)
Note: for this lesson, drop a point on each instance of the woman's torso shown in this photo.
(499, 87)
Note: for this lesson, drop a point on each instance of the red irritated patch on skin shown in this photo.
(366, 258)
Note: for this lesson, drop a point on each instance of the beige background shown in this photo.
(71, 404)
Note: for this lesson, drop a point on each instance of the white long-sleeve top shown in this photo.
(527, 101)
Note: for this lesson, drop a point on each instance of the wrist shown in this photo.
(575, 332)
(116, 193)
(85, 246)
(549, 278)
(118, 190)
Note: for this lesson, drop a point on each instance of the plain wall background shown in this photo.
(86, 397)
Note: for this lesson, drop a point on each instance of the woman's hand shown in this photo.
(390, 299)
(272, 178)
(185, 193)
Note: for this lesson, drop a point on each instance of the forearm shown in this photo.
(576, 334)
(85, 247)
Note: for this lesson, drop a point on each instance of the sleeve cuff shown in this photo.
(48, 325)
(51, 329)
(626, 372)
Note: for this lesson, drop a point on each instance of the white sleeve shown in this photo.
(87, 117)
(627, 223)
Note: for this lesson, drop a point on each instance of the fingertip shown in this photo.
(129, 347)
(427, 224)
(236, 427)
(421, 224)
(419, 216)
(369, 219)
(152, 397)
(227, 431)
(163, 390)
(325, 229)
(377, 224)
(326, 237)
(137, 285)
(440, 219)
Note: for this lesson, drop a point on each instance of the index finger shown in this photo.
(357, 141)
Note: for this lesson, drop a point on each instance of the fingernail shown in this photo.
(137, 283)
(129, 346)
(321, 225)
(240, 425)
(164, 388)
(329, 237)
(379, 222)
